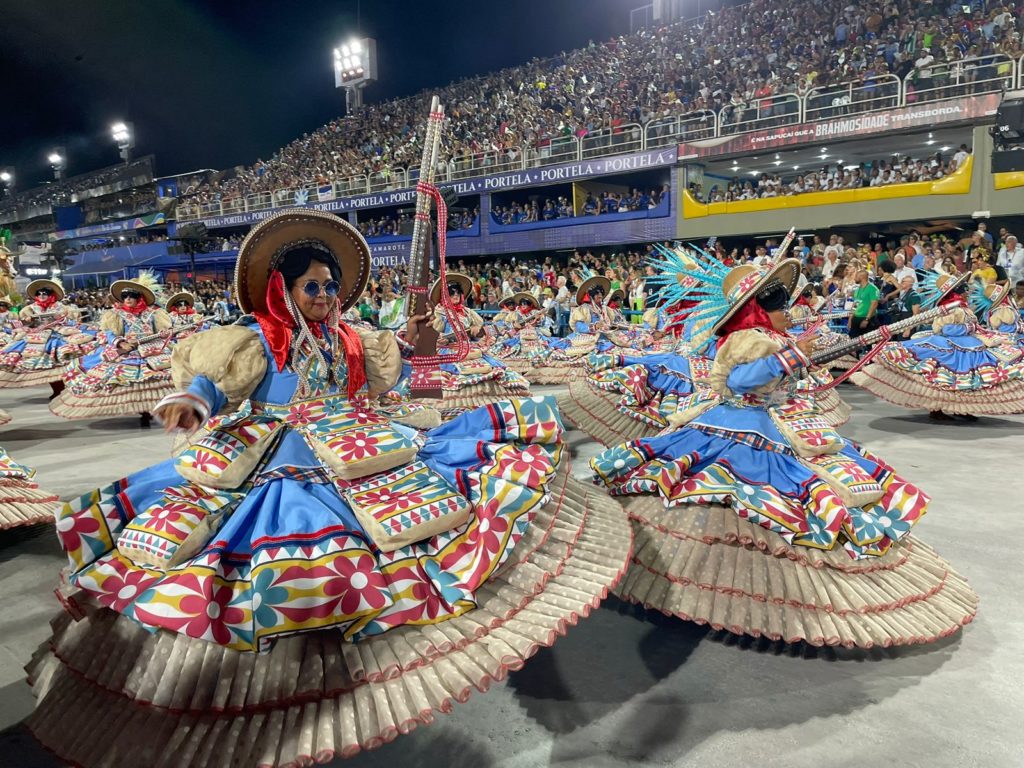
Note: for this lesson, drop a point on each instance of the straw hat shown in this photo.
(145, 283)
(268, 243)
(618, 293)
(994, 292)
(518, 297)
(744, 282)
(591, 282)
(53, 285)
(182, 296)
(462, 280)
(7, 300)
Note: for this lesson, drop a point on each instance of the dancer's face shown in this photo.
(781, 320)
(316, 308)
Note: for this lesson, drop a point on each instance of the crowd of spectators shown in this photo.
(746, 57)
(898, 170)
(563, 207)
(87, 185)
(387, 225)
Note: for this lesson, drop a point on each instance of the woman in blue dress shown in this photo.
(307, 577)
(50, 336)
(754, 516)
(957, 368)
(131, 372)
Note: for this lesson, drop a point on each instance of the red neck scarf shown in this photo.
(279, 327)
(45, 302)
(952, 299)
(526, 310)
(752, 315)
(138, 309)
(184, 311)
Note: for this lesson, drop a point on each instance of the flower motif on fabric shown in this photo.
(358, 584)
(73, 530)
(125, 586)
(265, 595)
(357, 445)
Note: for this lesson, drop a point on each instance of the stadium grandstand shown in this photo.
(872, 121)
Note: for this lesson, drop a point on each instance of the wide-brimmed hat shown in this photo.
(268, 244)
(460, 279)
(617, 293)
(744, 282)
(147, 292)
(518, 297)
(994, 292)
(53, 285)
(7, 300)
(182, 296)
(591, 282)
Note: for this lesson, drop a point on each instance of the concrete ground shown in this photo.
(628, 687)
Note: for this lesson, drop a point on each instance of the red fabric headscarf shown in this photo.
(278, 328)
(186, 311)
(138, 309)
(45, 302)
(752, 315)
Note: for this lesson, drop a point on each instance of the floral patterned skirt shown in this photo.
(291, 555)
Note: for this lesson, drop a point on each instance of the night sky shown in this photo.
(217, 84)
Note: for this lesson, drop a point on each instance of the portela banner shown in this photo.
(913, 116)
(553, 174)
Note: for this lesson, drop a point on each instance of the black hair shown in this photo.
(297, 260)
(887, 266)
(773, 297)
(455, 287)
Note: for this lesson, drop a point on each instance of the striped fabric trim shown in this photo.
(792, 359)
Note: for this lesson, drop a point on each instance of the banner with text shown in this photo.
(913, 116)
(555, 174)
(149, 220)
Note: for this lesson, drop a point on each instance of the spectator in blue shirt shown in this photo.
(590, 206)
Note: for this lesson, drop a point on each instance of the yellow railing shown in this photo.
(956, 183)
(1008, 179)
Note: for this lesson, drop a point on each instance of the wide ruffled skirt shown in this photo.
(959, 375)
(290, 554)
(22, 502)
(470, 384)
(38, 358)
(97, 388)
(739, 534)
(112, 694)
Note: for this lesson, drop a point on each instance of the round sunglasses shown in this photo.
(312, 288)
(44, 292)
(131, 295)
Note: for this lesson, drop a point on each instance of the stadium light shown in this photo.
(124, 137)
(58, 162)
(355, 66)
(7, 179)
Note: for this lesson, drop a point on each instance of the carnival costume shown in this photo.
(478, 380)
(22, 502)
(131, 372)
(521, 343)
(50, 338)
(761, 519)
(958, 367)
(7, 274)
(184, 318)
(626, 397)
(380, 572)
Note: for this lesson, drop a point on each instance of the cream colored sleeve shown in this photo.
(162, 321)
(112, 322)
(1002, 315)
(383, 360)
(741, 347)
(232, 357)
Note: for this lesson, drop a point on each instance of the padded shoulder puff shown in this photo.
(383, 360)
(231, 356)
(1004, 314)
(958, 316)
(162, 321)
(650, 316)
(111, 321)
(741, 347)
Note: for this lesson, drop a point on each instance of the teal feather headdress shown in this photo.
(692, 275)
(982, 298)
(933, 286)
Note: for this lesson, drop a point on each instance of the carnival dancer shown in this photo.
(760, 518)
(7, 274)
(22, 502)
(481, 378)
(957, 368)
(628, 396)
(184, 319)
(50, 338)
(995, 307)
(9, 322)
(526, 342)
(306, 578)
(131, 372)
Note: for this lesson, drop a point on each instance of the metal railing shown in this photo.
(841, 99)
(767, 112)
(939, 81)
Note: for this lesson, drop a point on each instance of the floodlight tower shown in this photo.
(58, 162)
(355, 66)
(124, 136)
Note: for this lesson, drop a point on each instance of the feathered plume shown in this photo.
(692, 276)
(979, 300)
(149, 280)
